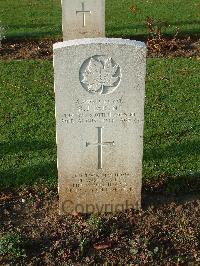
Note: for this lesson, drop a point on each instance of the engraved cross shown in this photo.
(100, 145)
(84, 12)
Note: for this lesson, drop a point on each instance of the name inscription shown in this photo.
(99, 111)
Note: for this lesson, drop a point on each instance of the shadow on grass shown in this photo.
(193, 33)
(178, 184)
(34, 35)
(174, 150)
(112, 30)
(19, 175)
(144, 26)
(21, 146)
(32, 26)
(28, 175)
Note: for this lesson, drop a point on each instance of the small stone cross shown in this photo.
(100, 145)
(84, 12)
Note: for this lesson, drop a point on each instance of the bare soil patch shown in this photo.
(165, 232)
(43, 49)
(27, 49)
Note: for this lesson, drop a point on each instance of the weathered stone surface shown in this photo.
(99, 88)
(83, 19)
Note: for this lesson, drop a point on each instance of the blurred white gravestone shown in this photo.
(83, 19)
(99, 89)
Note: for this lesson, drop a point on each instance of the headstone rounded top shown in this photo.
(117, 41)
(100, 95)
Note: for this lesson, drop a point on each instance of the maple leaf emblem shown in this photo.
(101, 75)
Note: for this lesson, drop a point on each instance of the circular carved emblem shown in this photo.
(100, 75)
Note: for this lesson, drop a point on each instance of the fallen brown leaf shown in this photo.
(102, 245)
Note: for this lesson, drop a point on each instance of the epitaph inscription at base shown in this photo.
(99, 88)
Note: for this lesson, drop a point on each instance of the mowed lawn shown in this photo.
(27, 139)
(38, 19)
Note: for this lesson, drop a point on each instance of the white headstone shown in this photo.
(83, 19)
(99, 89)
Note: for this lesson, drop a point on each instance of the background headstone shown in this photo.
(99, 89)
(83, 19)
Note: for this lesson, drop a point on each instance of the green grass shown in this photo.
(27, 139)
(12, 245)
(172, 145)
(177, 13)
(38, 19)
(28, 149)
(31, 18)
